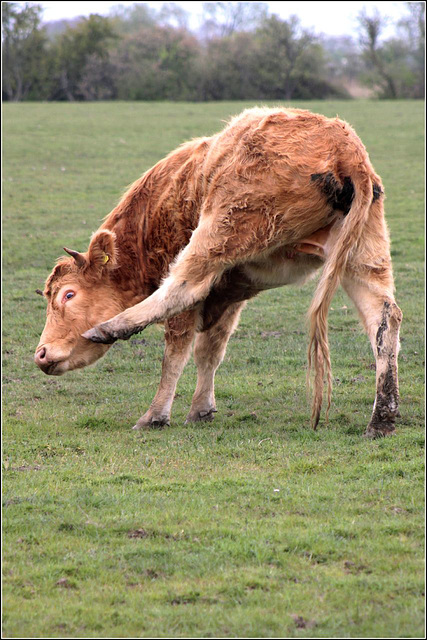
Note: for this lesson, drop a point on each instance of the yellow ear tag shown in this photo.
(106, 258)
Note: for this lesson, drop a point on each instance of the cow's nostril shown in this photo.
(41, 358)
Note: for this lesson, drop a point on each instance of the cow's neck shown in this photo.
(154, 221)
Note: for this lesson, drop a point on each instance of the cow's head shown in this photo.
(79, 294)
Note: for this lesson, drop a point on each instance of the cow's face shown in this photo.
(79, 295)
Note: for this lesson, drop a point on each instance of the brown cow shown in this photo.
(268, 201)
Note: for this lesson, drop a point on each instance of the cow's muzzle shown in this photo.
(43, 361)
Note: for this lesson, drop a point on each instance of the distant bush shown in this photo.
(239, 53)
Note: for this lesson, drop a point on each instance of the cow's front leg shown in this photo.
(382, 318)
(179, 333)
(209, 351)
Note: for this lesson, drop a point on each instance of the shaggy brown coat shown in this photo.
(266, 202)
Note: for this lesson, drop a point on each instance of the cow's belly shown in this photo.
(281, 268)
(292, 264)
(246, 280)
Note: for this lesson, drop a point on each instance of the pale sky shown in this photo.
(332, 18)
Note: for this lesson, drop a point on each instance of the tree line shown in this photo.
(239, 52)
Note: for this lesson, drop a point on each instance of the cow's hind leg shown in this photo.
(179, 333)
(372, 295)
(209, 351)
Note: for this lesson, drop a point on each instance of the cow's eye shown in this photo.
(68, 295)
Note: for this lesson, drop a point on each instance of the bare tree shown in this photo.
(221, 19)
(171, 14)
(370, 31)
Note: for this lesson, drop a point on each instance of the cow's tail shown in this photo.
(348, 236)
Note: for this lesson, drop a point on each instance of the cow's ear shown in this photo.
(102, 252)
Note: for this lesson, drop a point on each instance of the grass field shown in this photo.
(252, 525)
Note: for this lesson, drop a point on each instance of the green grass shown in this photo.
(252, 525)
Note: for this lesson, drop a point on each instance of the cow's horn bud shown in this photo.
(78, 257)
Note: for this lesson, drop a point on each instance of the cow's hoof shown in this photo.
(110, 331)
(99, 334)
(379, 431)
(151, 423)
(201, 416)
